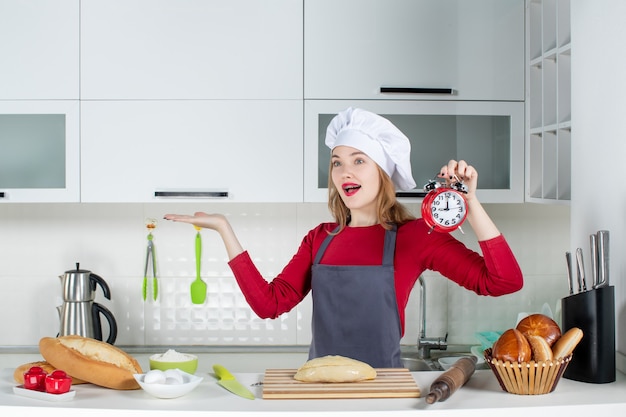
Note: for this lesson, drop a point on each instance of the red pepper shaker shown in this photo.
(58, 382)
(35, 379)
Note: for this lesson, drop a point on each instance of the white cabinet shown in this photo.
(191, 49)
(549, 102)
(39, 151)
(39, 49)
(352, 48)
(489, 135)
(249, 149)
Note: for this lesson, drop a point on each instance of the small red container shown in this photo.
(58, 382)
(35, 379)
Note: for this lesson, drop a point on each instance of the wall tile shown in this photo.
(39, 242)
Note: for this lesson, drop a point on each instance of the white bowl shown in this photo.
(447, 361)
(479, 352)
(170, 390)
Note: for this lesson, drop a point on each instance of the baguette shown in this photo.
(92, 361)
(566, 343)
(18, 374)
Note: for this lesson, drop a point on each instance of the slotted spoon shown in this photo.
(198, 287)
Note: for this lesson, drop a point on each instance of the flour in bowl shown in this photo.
(172, 356)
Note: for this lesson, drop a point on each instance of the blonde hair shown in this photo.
(388, 210)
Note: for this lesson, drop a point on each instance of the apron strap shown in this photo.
(325, 243)
(390, 246)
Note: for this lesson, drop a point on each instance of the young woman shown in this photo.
(361, 267)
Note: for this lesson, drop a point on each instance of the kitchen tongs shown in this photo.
(150, 260)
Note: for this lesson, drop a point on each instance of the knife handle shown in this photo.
(593, 244)
(603, 258)
(580, 266)
(570, 275)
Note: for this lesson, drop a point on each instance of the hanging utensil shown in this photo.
(198, 287)
(150, 260)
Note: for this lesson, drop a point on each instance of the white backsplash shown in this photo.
(39, 242)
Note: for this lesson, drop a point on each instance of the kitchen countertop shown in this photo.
(480, 396)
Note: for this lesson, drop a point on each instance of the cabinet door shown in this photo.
(39, 151)
(39, 49)
(489, 135)
(355, 47)
(250, 149)
(191, 49)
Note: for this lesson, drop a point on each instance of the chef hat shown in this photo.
(378, 138)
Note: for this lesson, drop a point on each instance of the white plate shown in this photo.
(170, 390)
(20, 390)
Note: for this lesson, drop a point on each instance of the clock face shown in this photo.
(444, 210)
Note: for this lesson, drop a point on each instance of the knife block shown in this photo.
(593, 312)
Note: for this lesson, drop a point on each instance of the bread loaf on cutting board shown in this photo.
(334, 368)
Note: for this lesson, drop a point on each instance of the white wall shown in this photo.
(599, 137)
(38, 242)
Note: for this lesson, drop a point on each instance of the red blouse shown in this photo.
(495, 274)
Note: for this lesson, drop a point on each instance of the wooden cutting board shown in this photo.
(389, 383)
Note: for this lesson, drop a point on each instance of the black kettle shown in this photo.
(79, 314)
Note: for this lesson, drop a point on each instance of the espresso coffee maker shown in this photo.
(79, 314)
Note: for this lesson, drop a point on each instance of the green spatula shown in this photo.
(198, 287)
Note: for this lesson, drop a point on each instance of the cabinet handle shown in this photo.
(411, 194)
(191, 194)
(1, 194)
(410, 90)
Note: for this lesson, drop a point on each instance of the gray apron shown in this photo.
(355, 312)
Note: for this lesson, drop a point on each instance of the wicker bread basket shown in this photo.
(527, 378)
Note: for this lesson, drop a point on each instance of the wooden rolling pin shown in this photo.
(451, 380)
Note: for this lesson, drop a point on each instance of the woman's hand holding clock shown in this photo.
(481, 223)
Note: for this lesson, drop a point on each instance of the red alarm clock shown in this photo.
(444, 208)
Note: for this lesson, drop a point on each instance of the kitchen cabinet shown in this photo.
(191, 49)
(39, 151)
(548, 103)
(352, 48)
(39, 49)
(220, 150)
(489, 135)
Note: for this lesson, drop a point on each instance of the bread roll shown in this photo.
(91, 360)
(540, 348)
(540, 325)
(334, 369)
(566, 344)
(512, 346)
(18, 374)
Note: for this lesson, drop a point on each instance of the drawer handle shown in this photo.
(1, 194)
(410, 90)
(411, 194)
(192, 194)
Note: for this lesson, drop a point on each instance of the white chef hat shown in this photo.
(378, 138)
